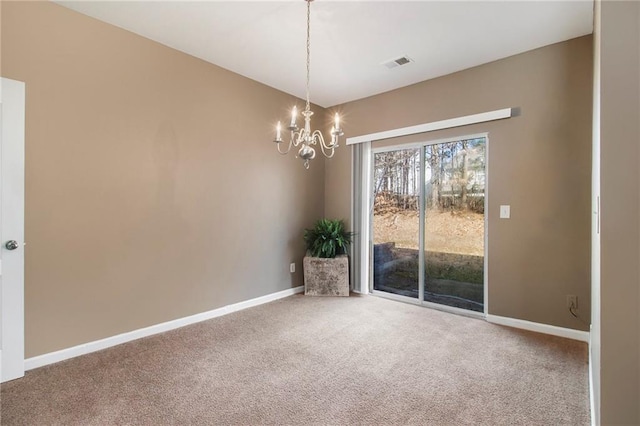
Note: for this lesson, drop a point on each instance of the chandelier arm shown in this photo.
(296, 137)
(288, 148)
(331, 152)
(323, 146)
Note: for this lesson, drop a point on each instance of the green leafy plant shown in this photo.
(327, 238)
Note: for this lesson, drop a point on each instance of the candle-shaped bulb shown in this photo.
(294, 113)
(278, 131)
(337, 119)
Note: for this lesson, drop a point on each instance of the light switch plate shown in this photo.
(505, 212)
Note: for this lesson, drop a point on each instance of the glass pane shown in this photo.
(454, 224)
(396, 222)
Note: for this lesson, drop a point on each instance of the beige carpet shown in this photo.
(303, 360)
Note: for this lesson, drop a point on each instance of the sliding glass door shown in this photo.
(428, 224)
(396, 221)
(454, 224)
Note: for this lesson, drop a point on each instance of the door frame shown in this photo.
(368, 224)
(12, 160)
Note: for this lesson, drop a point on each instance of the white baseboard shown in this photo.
(592, 401)
(85, 348)
(553, 330)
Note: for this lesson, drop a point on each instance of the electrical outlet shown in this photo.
(292, 268)
(572, 301)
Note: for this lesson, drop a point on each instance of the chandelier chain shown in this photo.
(308, 50)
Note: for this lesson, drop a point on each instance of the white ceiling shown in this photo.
(265, 40)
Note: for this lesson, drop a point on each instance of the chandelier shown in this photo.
(304, 137)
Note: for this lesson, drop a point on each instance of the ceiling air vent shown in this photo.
(397, 62)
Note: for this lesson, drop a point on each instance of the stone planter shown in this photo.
(326, 277)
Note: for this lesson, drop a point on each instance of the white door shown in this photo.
(12, 103)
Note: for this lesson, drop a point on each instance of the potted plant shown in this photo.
(326, 265)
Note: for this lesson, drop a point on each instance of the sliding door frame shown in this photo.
(367, 223)
(360, 211)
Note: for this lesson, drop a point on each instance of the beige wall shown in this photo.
(153, 190)
(539, 163)
(620, 220)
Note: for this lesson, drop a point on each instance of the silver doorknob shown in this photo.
(11, 245)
